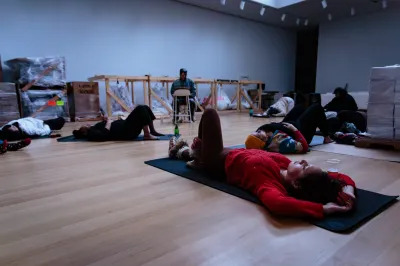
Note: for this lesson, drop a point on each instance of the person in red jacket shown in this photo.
(287, 188)
(293, 134)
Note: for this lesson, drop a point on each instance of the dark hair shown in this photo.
(316, 187)
(80, 133)
(340, 90)
(272, 127)
(10, 135)
(182, 70)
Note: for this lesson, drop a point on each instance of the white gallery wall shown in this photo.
(137, 37)
(347, 49)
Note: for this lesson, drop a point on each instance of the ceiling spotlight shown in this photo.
(242, 3)
(262, 11)
(223, 2)
(324, 4)
(384, 4)
(352, 11)
(329, 16)
(283, 17)
(306, 22)
(298, 22)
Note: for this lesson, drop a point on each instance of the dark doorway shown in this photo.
(306, 60)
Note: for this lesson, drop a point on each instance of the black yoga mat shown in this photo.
(140, 138)
(317, 140)
(369, 204)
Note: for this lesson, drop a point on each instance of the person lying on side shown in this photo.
(141, 118)
(30, 127)
(293, 134)
(296, 189)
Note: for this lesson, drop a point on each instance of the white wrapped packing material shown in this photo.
(121, 91)
(156, 105)
(32, 68)
(397, 133)
(397, 116)
(380, 121)
(380, 115)
(382, 91)
(388, 72)
(381, 132)
(381, 109)
(223, 101)
(33, 100)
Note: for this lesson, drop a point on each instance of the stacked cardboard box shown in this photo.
(384, 102)
(83, 101)
(8, 103)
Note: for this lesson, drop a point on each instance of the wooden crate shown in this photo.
(377, 143)
(83, 101)
(9, 109)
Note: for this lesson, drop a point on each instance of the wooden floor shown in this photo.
(99, 204)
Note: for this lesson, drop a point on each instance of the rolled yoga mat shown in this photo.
(368, 204)
(140, 138)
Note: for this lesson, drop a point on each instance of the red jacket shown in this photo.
(258, 171)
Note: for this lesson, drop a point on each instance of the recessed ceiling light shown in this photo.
(262, 11)
(298, 22)
(223, 2)
(330, 16)
(283, 17)
(384, 4)
(352, 11)
(324, 4)
(306, 22)
(242, 3)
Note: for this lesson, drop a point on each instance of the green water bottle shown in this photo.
(176, 130)
(251, 112)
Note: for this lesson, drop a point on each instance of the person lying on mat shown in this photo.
(293, 134)
(281, 108)
(287, 188)
(141, 118)
(30, 127)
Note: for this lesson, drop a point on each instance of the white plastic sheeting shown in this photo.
(31, 68)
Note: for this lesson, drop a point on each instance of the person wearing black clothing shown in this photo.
(141, 118)
(306, 120)
(342, 101)
(347, 111)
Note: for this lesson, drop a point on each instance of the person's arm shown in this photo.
(173, 88)
(281, 204)
(347, 196)
(301, 145)
(353, 105)
(108, 123)
(192, 89)
(331, 106)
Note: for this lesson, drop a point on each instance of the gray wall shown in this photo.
(140, 37)
(349, 48)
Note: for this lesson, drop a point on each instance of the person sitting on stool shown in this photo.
(185, 83)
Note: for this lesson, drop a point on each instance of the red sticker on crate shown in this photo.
(52, 103)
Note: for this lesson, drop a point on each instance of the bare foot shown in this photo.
(155, 133)
(327, 139)
(194, 164)
(196, 145)
(150, 137)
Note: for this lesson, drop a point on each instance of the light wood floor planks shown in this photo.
(99, 204)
